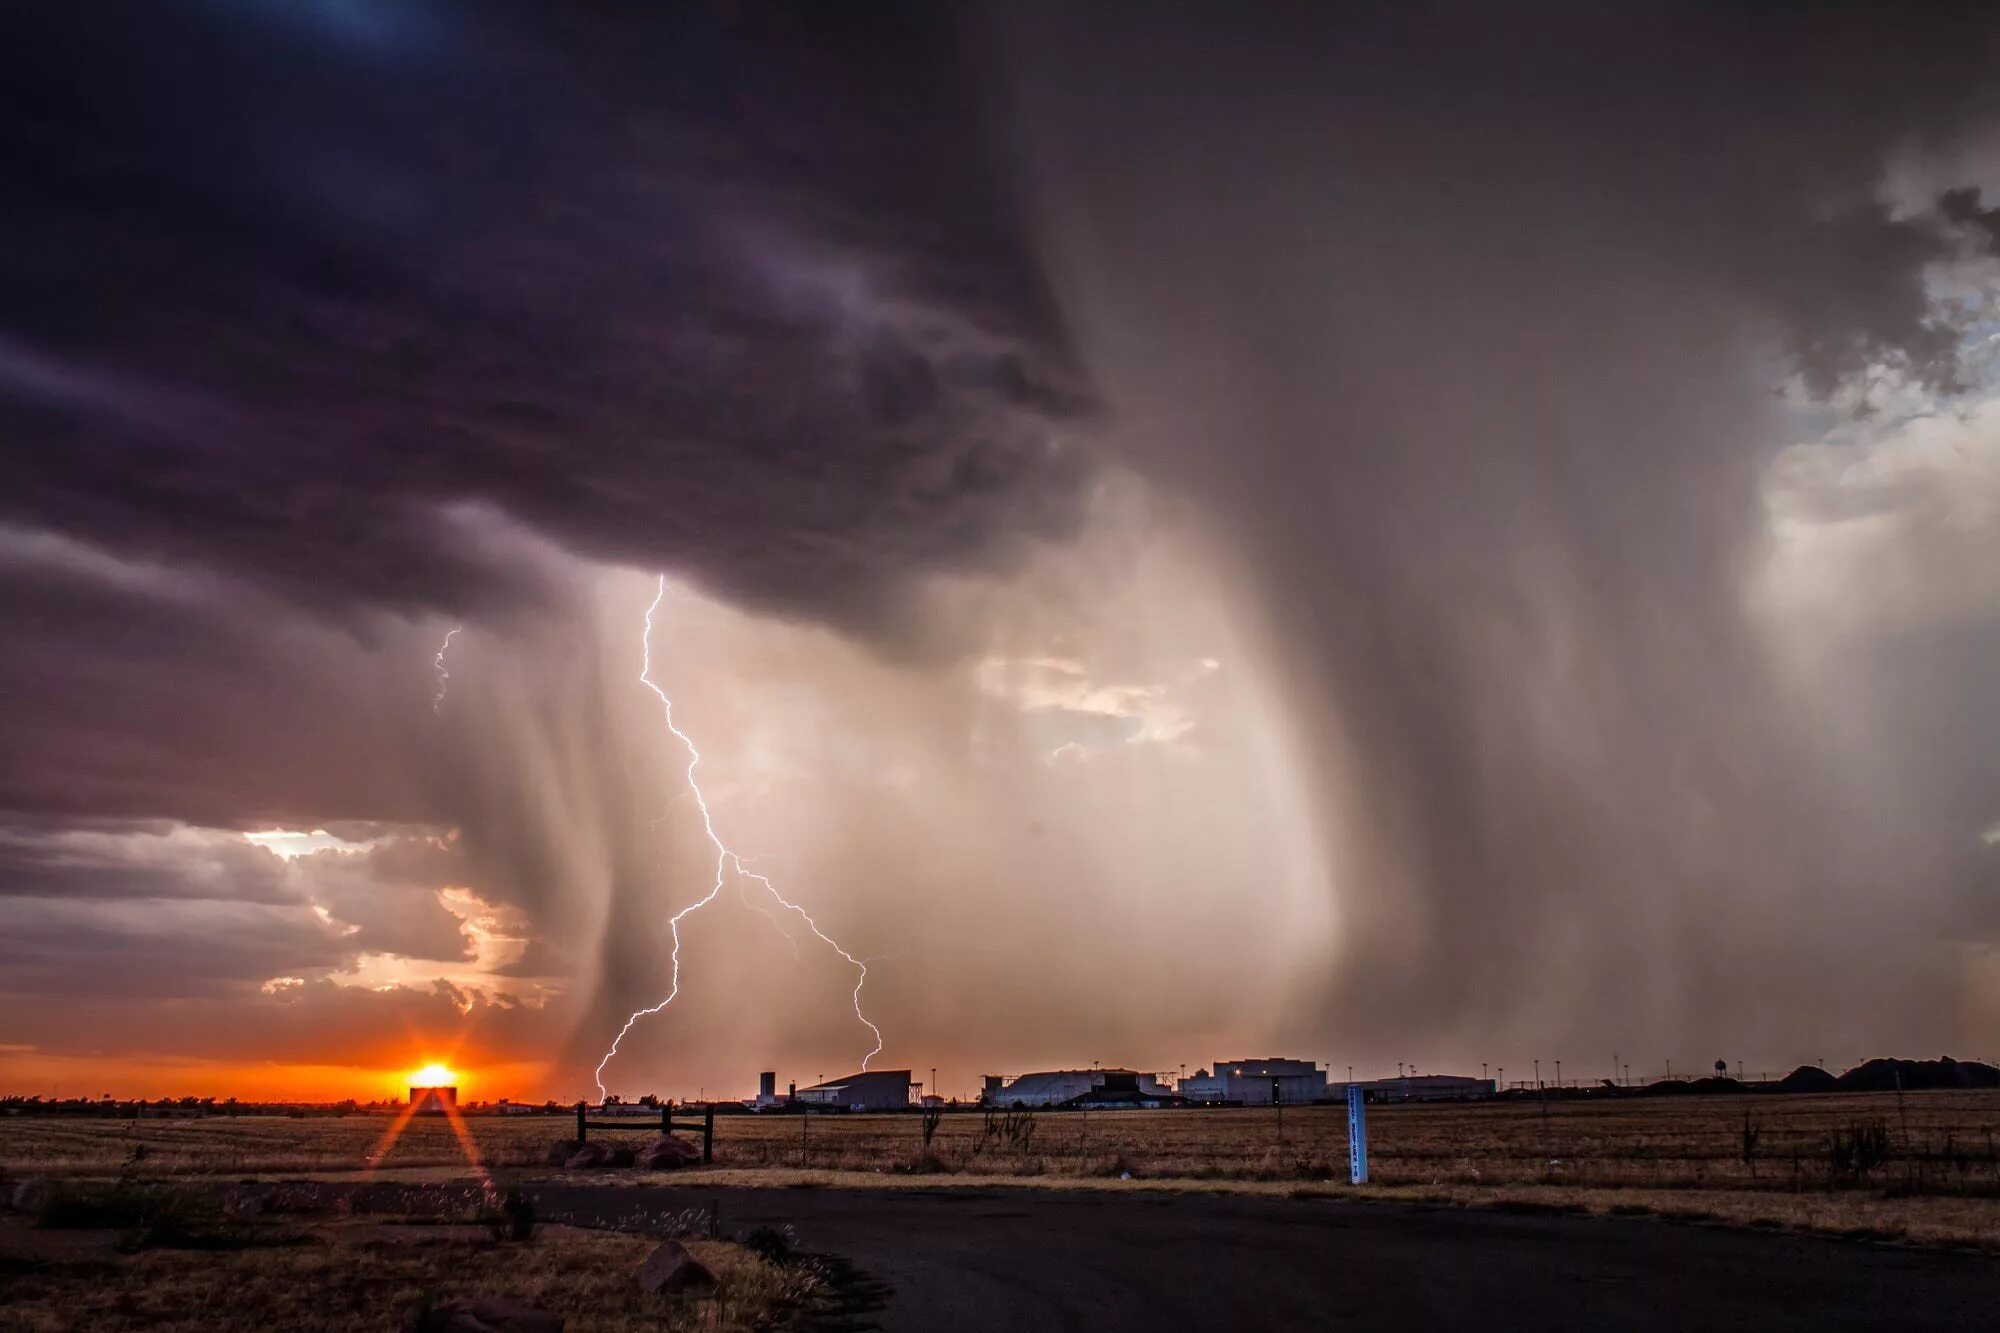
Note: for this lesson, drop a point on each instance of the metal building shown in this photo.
(876, 1090)
(1060, 1087)
(1251, 1082)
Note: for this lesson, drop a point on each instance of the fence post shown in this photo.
(1357, 1136)
(580, 1129)
(708, 1136)
(666, 1117)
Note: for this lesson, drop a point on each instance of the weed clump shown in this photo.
(511, 1219)
(1856, 1150)
(771, 1244)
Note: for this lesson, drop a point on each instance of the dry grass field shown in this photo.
(1930, 1141)
(1923, 1166)
(345, 1274)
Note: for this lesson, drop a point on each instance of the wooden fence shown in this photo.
(666, 1124)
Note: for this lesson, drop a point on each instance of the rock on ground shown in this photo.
(587, 1155)
(671, 1270)
(664, 1152)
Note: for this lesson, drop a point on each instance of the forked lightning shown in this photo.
(726, 861)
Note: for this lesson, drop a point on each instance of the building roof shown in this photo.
(1266, 1067)
(868, 1078)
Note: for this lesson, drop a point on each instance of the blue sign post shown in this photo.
(1357, 1136)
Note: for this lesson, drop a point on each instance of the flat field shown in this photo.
(1923, 1167)
(1929, 1141)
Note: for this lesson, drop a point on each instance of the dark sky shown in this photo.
(1426, 533)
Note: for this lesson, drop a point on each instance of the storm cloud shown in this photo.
(1396, 530)
(723, 295)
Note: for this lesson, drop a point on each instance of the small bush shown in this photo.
(513, 1219)
(1856, 1150)
(924, 1163)
(771, 1244)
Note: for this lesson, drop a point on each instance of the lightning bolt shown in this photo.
(725, 861)
(443, 676)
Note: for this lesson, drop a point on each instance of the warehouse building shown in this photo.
(1253, 1082)
(880, 1090)
(1079, 1087)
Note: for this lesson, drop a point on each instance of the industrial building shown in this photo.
(433, 1101)
(879, 1090)
(767, 1092)
(1254, 1082)
(1078, 1087)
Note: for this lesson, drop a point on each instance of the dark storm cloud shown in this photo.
(736, 296)
(157, 948)
(114, 860)
(134, 895)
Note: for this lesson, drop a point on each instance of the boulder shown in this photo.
(484, 1315)
(561, 1151)
(671, 1270)
(664, 1152)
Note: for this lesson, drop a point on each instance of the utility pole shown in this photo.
(1559, 1075)
(1538, 1075)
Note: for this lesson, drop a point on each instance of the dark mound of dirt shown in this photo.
(1808, 1078)
(1699, 1087)
(1915, 1075)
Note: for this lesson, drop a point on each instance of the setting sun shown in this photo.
(433, 1076)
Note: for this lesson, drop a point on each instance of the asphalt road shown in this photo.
(1106, 1262)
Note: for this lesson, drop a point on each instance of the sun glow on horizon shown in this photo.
(433, 1076)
